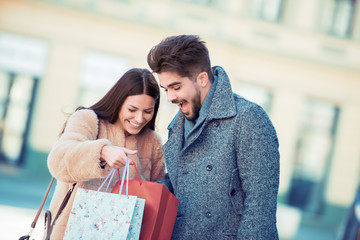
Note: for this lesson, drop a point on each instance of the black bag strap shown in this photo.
(61, 208)
(50, 224)
(63, 204)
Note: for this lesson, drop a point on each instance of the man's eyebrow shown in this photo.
(171, 84)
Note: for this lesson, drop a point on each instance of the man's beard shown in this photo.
(195, 106)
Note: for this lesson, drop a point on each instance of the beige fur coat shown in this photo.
(75, 157)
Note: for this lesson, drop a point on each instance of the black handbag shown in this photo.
(48, 223)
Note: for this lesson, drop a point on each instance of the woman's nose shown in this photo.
(139, 117)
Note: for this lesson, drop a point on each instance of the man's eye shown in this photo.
(176, 88)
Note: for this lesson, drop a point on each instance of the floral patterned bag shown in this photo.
(103, 215)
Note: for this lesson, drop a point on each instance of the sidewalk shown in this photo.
(20, 197)
(15, 222)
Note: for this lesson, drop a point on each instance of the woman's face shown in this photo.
(135, 113)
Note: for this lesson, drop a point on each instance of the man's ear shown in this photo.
(203, 79)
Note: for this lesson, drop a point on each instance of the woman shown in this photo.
(99, 138)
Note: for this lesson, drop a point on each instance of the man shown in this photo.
(222, 152)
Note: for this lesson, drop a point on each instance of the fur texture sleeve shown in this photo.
(75, 156)
(157, 161)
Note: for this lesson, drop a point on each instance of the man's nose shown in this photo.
(170, 96)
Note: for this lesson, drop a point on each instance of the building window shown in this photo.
(313, 154)
(16, 104)
(22, 61)
(99, 73)
(342, 18)
(268, 10)
(22, 55)
(258, 95)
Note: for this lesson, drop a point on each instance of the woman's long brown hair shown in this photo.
(135, 81)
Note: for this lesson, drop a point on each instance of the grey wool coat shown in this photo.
(226, 176)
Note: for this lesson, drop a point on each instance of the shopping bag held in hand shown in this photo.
(102, 215)
(160, 208)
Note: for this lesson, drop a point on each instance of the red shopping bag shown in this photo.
(160, 208)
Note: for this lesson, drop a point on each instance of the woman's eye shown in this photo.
(148, 112)
(132, 110)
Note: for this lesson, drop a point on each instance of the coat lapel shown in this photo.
(222, 104)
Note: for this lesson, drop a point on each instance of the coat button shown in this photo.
(209, 167)
(232, 193)
(208, 214)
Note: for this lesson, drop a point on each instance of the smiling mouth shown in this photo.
(134, 124)
(179, 103)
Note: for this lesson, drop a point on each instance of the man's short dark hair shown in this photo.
(185, 55)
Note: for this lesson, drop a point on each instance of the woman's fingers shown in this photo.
(129, 152)
(116, 156)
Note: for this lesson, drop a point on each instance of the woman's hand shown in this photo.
(115, 156)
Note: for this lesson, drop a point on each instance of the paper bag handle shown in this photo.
(137, 172)
(111, 175)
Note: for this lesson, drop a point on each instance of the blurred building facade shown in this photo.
(299, 59)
